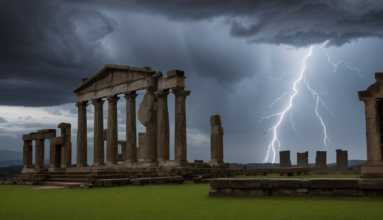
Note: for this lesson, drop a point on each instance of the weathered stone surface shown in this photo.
(215, 120)
(143, 110)
(215, 192)
(112, 137)
(284, 157)
(98, 139)
(320, 160)
(180, 149)
(245, 183)
(302, 190)
(41, 134)
(280, 183)
(220, 183)
(345, 192)
(303, 159)
(82, 140)
(334, 183)
(283, 192)
(216, 141)
(321, 192)
(141, 151)
(163, 128)
(373, 183)
(304, 183)
(254, 192)
(172, 73)
(341, 160)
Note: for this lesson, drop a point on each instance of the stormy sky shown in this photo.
(239, 57)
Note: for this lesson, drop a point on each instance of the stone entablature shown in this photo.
(373, 100)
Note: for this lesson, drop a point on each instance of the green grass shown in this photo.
(276, 175)
(184, 201)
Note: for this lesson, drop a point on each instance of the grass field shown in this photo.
(184, 201)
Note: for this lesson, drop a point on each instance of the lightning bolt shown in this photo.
(275, 140)
(335, 65)
(317, 97)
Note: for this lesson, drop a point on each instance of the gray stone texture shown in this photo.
(180, 151)
(112, 136)
(151, 128)
(303, 159)
(82, 142)
(216, 140)
(98, 140)
(321, 160)
(163, 136)
(141, 152)
(341, 160)
(284, 157)
(131, 132)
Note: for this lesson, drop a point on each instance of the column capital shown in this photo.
(180, 92)
(163, 93)
(97, 101)
(81, 103)
(131, 95)
(113, 98)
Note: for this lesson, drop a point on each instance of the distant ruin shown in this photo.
(284, 157)
(303, 159)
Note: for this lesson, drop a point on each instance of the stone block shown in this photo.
(227, 192)
(239, 192)
(304, 183)
(138, 182)
(215, 192)
(266, 192)
(245, 183)
(321, 192)
(283, 192)
(220, 183)
(281, 183)
(371, 183)
(302, 190)
(345, 192)
(254, 192)
(334, 183)
(172, 73)
(370, 192)
(215, 120)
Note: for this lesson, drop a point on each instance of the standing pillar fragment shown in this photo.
(180, 151)
(27, 154)
(163, 126)
(216, 142)
(320, 160)
(39, 154)
(151, 129)
(141, 152)
(341, 160)
(112, 135)
(98, 132)
(82, 141)
(284, 157)
(303, 159)
(373, 139)
(131, 128)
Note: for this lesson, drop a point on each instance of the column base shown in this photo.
(372, 171)
(173, 163)
(98, 164)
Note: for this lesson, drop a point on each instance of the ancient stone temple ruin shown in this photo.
(321, 160)
(373, 102)
(151, 158)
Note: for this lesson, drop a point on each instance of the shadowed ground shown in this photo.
(184, 201)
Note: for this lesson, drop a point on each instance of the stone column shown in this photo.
(141, 153)
(82, 142)
(180, 125)
(374, 150)
(98, 132)
(131, 132)
(151, 129)
(112, 136)
(55, 154)
(163, 126)
(39, 154)
(216, 142)
(66, 147)
(27, 154)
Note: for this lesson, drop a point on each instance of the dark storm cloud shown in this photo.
(297, 23)
(2, 120)
(46, 48)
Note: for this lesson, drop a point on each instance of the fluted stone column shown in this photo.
(374, 147)
(180, 125)
(82, 142)
(112, 136)
(131, 130)
(151, 130)
(39, 154)
(55, 154)
(98, 132)
(163, 126)
(27, 154)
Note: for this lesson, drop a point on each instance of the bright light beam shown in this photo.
(282, 114)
